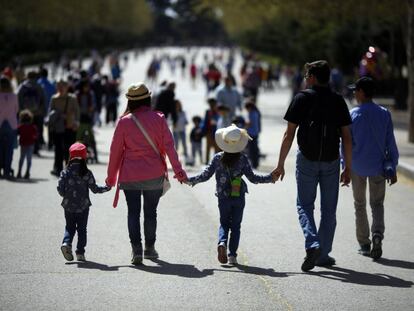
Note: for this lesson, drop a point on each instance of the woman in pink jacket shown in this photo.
(138, 170)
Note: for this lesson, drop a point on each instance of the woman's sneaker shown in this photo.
(80, 257)
(365, 250)
(150, 252)
(232, 260)
(312, 255)
(136, 255)
(222, 253)
(67, 251)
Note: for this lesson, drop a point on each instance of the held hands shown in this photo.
(181, 177)
(278, 172)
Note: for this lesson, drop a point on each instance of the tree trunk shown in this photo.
(410, 64)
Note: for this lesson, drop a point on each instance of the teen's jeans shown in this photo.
(376, 201)
(308, 175)
(76, 222)
(26, 152)
(7, 141)
(151, 199)
(231, 215)
(180, 136)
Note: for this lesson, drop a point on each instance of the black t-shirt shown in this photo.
(320, 114)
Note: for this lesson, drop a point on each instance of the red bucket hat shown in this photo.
(78, 150)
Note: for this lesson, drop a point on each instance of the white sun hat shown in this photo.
(232, 139)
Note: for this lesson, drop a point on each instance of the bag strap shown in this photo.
(144, 132)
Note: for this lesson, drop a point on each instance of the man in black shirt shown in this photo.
(323, 118)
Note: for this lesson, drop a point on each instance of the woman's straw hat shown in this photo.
(137, 91)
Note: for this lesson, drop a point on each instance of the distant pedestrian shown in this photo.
(209, 126)
(196, 137)
(31, 96)
(49, 90)
(253, 129)
(9, 107)
(229, 96)
(74, 184)
(179, 128)
(27, 137)
(374, 151)
(229, 166)
(64, 121)
(323, 119)
(225, 119)
(166, 102)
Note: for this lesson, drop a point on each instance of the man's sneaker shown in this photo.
(80, 257)
(365, 250)
(325, 262)
(222, 253)
(232, 260)
(312, 254)
(376, 251)
(150, 252)
(67, 251)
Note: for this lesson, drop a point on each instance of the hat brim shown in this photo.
(229, 147)
(131, 97)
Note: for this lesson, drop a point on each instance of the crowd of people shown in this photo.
(53, 114)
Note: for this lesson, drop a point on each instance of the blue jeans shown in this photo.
(151, 199)
(7, 140)
(308, 175)
(26, 152)
(76, 222)
(231, 215)
(180, 136)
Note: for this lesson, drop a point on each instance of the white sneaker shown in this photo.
(222, 253)
(232, 260)
(67, 251)
(80, 257)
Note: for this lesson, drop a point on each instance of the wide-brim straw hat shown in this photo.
(232, 139)
(137, 91)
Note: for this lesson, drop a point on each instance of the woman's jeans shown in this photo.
(151, 199)
(26, 152)
(308, 175)
(180, 136)
(231, 215)
(76, 222)
(62, 142)
(7, 141)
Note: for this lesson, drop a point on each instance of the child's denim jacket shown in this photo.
(75, 189)
(224, 175)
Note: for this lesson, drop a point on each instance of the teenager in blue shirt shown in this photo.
(372, 137)
(229, 166)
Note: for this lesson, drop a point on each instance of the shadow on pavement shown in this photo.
(27, 181)
(396, 263)
(182, 270)
(258, 271)
(362, 278)
(95, 266)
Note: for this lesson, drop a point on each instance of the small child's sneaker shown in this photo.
(67, 251)
(80, 257)
(222, 253)
(232, 260)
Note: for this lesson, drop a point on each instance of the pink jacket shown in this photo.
(132, 157)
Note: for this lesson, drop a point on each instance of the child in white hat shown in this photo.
(229, 167)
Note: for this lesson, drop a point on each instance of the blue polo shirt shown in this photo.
(372, 133)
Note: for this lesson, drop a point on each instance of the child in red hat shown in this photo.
(74, 184)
